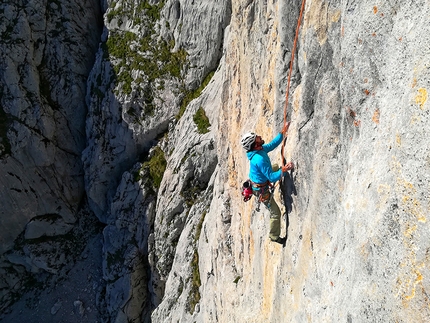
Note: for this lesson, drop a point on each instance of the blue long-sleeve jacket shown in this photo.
(260, 170)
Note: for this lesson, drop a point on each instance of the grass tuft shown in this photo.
(202, 121)
(157, 166)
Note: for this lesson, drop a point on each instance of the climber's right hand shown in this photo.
(287, 167)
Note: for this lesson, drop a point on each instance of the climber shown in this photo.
(262, 175)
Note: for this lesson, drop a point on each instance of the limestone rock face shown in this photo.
(47, 51)
(125, 119)
(198, 28)
(125, 250)
(357, 247)
(192, 161)
(173, 87)
(51, 226)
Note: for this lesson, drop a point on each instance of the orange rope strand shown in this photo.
(289, 75)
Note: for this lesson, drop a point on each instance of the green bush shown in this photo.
(194, 297)
(202, 121)
(157, 166)
(199, 227)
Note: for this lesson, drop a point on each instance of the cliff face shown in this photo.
(47, 51)
(357, 245)
(174, 86)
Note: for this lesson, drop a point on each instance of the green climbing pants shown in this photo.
(275, 218)
(275, 212)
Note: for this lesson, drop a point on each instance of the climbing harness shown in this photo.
(289, 75)
(263, 192)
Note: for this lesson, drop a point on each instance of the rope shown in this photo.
(289, 76)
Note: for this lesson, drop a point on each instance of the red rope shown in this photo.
(289, 75)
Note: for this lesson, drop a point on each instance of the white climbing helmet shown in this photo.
(247, 140)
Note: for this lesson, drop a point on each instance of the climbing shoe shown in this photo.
(280, 240)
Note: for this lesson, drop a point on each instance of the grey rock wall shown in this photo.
(122, 127)
(47, 51)
(125, 250)
(187, 248)
(357, 248)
